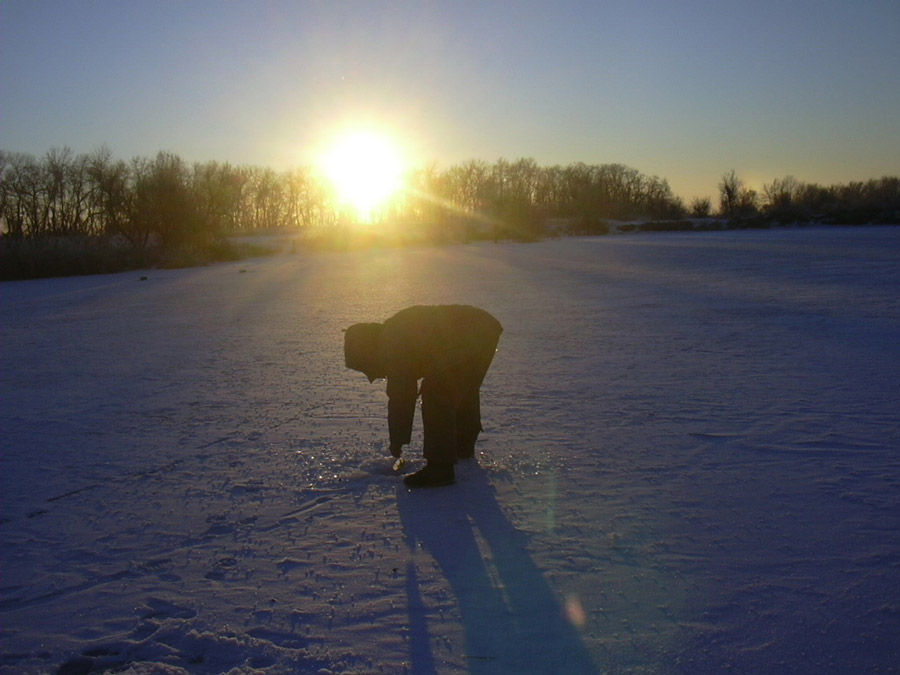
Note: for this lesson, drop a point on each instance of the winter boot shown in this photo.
(435, 474)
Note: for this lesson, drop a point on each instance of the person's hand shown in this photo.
(396, 449)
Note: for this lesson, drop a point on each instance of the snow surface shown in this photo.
(690, 465)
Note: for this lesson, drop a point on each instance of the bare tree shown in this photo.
(68, 194)
(112, 196)
(748, 202)
(163, 203)
(700, 207)
(729, 193)
(780, 192)
(24, 196)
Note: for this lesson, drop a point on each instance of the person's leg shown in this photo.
(439, 426)
(468, 415)
(439, 437)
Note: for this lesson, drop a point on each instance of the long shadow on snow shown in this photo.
(512, 619)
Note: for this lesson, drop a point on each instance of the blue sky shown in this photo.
(686, 90)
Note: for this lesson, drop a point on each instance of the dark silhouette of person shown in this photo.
(448, 347)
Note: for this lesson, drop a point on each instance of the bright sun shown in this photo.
(366, 168)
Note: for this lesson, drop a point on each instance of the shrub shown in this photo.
(700, 207)
(65, 256)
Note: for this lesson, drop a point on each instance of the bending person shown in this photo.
(448, 347)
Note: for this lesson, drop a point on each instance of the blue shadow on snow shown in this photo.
(512, 619)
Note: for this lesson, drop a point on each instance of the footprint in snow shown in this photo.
(223, 567)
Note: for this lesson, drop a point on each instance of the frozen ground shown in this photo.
(690, 465)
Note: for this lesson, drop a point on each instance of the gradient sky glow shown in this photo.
(683, 89)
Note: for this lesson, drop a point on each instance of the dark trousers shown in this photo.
(451, 409)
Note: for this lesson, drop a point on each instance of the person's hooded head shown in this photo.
(362, 349)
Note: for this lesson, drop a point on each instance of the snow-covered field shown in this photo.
(691, 464)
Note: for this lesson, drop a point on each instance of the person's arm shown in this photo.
(402, 394)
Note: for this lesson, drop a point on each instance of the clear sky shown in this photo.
(682, 89)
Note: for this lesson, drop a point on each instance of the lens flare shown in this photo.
(575, 612)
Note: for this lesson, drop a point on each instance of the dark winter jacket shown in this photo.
(432, 342)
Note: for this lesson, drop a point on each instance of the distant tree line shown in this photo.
(167, 202)
(160, 201)
(67, 213)
(516, 199)
(787, 200)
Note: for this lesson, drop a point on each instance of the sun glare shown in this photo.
(366, 169)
